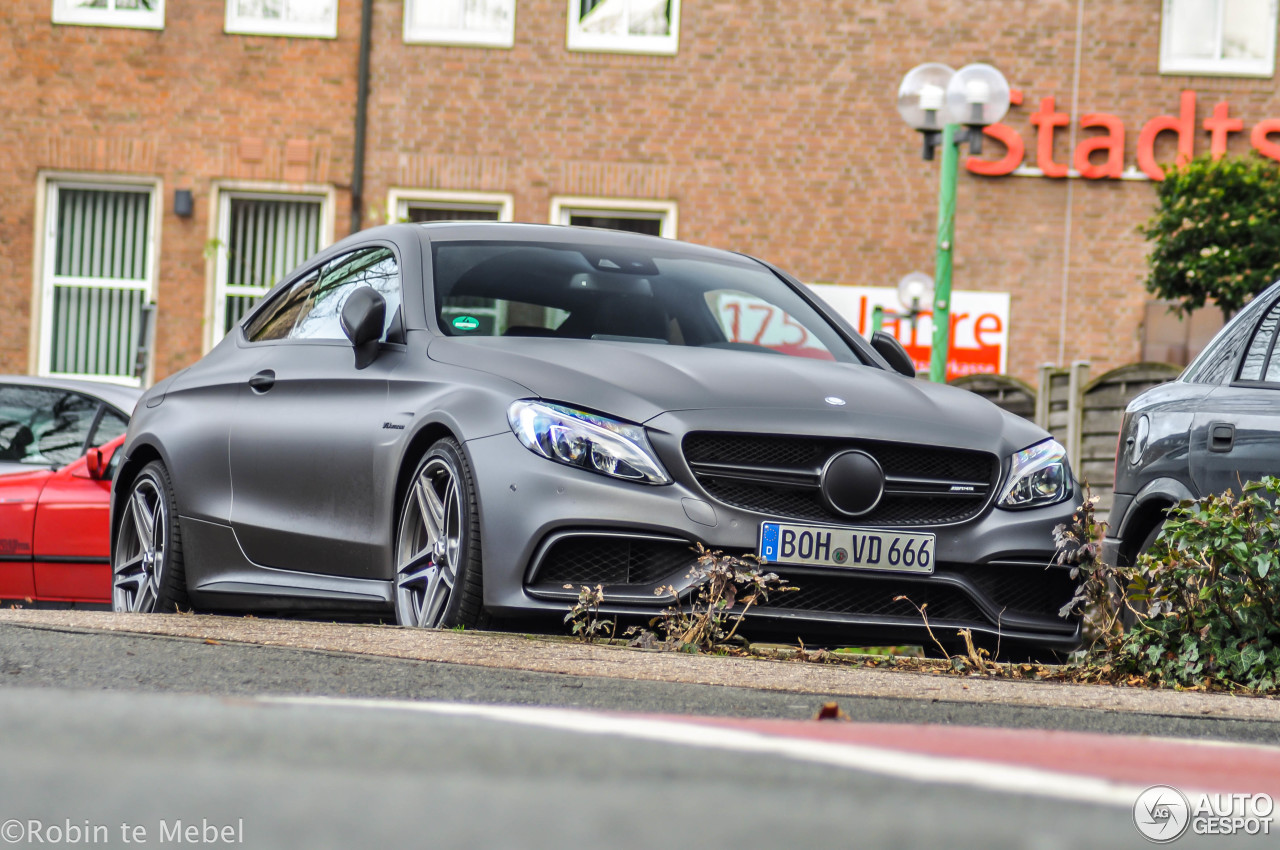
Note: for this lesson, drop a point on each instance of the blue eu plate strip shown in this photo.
(769, 541)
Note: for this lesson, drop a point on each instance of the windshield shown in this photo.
(619, 294)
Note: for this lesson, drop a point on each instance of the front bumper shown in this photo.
(545, 525)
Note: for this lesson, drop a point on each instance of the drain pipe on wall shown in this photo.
(1065, 299)
(362, 117)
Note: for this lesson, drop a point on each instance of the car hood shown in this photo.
(639, 381)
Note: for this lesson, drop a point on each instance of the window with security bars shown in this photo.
(262, 239)
(97, 281)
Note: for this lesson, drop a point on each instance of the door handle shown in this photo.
(263, 381)
(1222, 437)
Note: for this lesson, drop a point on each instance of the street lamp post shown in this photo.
(949, 108)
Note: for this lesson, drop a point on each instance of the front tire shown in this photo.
(438, 573)
(147, 573)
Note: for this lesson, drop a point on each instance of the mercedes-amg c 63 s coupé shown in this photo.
(451, 422)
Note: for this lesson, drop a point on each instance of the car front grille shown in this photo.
(1024, 590)
(781, 477)
(630, 566)
(984, 595)
(876, 597)
(609, 559)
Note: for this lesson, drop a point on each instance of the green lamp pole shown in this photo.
(942, 263)
(936, 100)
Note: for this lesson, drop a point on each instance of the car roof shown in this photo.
(120, 397)
(464, 231)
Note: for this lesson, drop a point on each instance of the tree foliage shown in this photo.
(1216, 232)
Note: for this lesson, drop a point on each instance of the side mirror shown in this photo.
(888, 347)
(96, 466)
(362, 319)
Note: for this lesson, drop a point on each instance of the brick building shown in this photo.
(188, 152)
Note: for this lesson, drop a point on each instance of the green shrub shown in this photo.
(1208, 595)
(1216, 232)
(1205, 601)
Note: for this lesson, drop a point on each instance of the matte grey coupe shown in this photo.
(451, 422)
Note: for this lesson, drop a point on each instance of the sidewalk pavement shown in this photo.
(554, 655)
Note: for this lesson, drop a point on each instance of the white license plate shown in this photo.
(850, 548)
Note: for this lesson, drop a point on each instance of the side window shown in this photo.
(1264, 340)
(1217, 363)
(279, 316)
(110, 426)
(373, 267)
(43, 426)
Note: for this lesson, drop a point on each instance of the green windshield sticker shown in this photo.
(466, 323)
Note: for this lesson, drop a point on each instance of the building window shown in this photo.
(98, 269)
(625, 26)
(261, 238)
(657, 218)
(425, 205)
(418, 205)
(308, 18)
(483, 23)
(139, 14)
(1218, 37)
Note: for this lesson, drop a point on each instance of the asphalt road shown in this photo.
(318, 776)
(103, 735)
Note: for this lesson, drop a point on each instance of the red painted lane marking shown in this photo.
(1123, 759)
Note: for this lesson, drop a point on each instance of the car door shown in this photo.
(1235, 435)
(306, 425)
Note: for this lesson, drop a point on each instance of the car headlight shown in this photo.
(586, 440)
(1038, 476)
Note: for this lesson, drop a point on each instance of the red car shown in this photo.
(54, 531)
(55, 489)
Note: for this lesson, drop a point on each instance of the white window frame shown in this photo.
(400, 199)
(222, 192)
(664, 212)
(40, 349)
(1170, 63)
(661, 45)
(237, 24)
(414, 34)
(66, 12)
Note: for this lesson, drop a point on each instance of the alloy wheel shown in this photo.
(140, 549)
(429, 546)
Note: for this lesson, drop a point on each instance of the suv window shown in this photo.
(1260, 349)
(1217, 363)
(373, 267)
(44, 426)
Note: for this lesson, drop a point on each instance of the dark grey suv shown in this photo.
(1211, 430)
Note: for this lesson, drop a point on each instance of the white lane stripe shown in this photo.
(914, 767)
